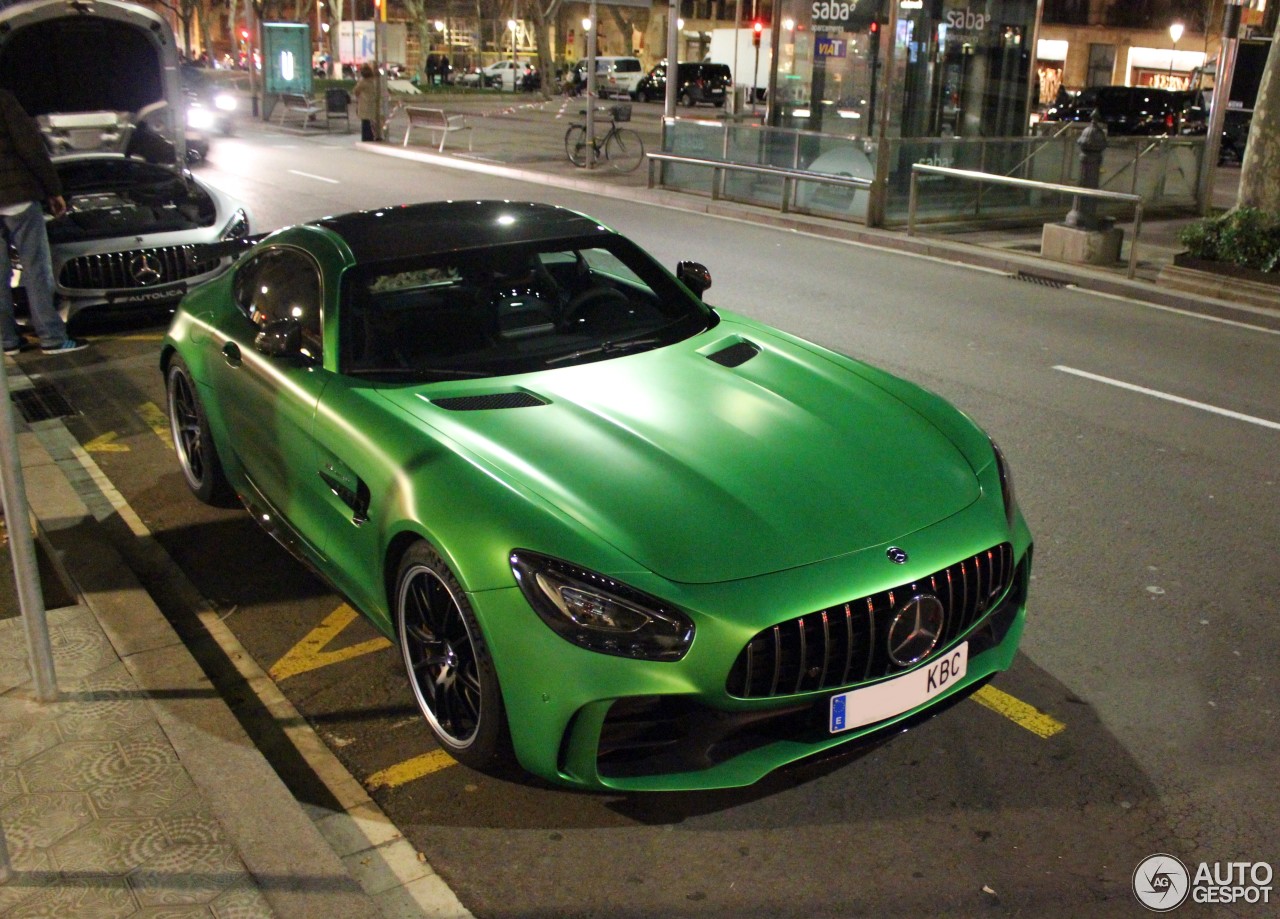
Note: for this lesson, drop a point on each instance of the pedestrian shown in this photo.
(28, 181)
(366, 93)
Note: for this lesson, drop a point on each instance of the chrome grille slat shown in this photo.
(111, 270)
(778, 660)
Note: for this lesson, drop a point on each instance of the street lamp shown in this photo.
(1175, 32)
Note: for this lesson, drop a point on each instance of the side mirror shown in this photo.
(280, 338)
(694, 275)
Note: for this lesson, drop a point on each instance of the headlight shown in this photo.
(200, 118)
(238, 226)
(598, 613)
(225, 102)
(1006, 484)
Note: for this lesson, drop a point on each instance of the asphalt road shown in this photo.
(1144, 448)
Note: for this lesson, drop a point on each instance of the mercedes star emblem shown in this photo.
(916, 629)
(896, 555)
(146, 269)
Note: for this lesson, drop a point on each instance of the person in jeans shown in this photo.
(28, 181)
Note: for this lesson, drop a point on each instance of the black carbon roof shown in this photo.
(436, 227)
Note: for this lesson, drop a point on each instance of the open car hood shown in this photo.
(98, 75)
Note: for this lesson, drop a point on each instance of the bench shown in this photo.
(299, 107)
(435, 120)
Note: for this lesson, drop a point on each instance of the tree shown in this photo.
(420, 17)
(1260, 171)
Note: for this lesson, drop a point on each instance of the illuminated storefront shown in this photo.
(956, 68)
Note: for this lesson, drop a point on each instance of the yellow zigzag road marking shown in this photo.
(106, 443)
(410, 769)
(155, 418)
(309, 654)
(1019, 712)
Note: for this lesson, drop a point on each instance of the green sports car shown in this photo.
(623, 538)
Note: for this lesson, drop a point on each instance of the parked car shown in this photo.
(625, 538)
(700, 83)
(504, 74)
(1135, 110)
(135, 216)
(615, 76)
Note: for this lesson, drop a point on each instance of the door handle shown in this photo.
(231, 352)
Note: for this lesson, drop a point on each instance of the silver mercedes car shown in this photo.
(103, 81)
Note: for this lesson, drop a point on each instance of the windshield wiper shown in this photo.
(608, 348)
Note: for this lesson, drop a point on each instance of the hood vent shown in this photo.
(488, 401)
(735, 355)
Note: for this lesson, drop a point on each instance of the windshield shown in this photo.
(511, 309)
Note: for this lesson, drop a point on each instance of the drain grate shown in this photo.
(1039, 279)
(42, 402)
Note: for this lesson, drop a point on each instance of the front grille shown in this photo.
(846, 644)
(135, 268)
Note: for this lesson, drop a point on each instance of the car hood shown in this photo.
(92, 73)
(703, 472)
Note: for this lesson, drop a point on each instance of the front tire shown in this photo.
(191, 438)
(450, 671)
(625, 150)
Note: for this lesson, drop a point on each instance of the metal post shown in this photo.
(911, 206)
(673, 58)
(22, 547)
(6, 871)
(591, 85)
(1133, 246)
(1219, 103)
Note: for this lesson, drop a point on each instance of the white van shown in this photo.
(615, 76)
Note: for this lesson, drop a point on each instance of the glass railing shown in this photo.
(1163, 170)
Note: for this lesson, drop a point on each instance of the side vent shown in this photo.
(488, 402)
(735, 355)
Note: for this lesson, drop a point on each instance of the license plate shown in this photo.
(875, 703)
(150, 295)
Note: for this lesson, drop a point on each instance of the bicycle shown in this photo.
(621, 148)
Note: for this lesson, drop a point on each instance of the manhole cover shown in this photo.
(40, 403)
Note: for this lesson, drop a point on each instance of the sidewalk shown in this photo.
(137, 792)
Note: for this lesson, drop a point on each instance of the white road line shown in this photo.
(307, 175)
(1239, 307)
(1226, 413)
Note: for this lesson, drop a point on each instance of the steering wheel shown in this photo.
(596, 308)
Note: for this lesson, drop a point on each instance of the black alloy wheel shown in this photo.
(191, 438)
(449, 668)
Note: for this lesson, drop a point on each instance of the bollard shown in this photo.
(22, 547)
(1084, 211)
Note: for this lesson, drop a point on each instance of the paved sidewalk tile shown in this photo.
(99, 816)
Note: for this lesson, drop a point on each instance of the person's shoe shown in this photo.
(13, 352)
(66, 347)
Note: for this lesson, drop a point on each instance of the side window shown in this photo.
(283, 284)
